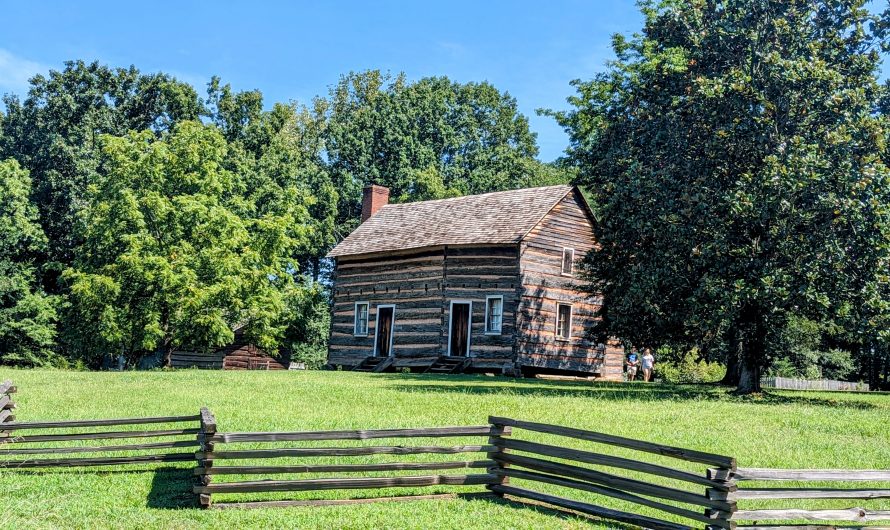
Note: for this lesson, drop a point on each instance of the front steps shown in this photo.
(448, 365)
(374, 364)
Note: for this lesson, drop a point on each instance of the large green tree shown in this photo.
(54, 133)
(426, 139)
(735, 155)
(27, 315)
(176, 252)
(277, 150)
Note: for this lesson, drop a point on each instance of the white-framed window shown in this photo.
(563, 321)
(568, 261)
(494, 315)
(360, 326)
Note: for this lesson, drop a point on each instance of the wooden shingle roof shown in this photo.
(501, 217)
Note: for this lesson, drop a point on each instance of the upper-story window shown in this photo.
(494, 314)
(360, 328)
(563, 321)
(568, 261)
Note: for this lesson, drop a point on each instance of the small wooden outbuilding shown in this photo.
(241, 354)
(483, 282)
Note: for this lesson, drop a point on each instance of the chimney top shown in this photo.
(374, 197)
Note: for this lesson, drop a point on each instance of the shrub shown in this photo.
(689, 369)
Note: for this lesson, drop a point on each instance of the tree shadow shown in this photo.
(171, 488)
(630, 392)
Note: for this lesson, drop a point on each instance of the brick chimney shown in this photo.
(374, 197)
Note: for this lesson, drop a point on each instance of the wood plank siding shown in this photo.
(568, 225)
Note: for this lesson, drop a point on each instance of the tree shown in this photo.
(54, 133)
(27, 315)
(734, 152)
(427, 139)
(175, 251)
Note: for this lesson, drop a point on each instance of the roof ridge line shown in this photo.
(487, 193)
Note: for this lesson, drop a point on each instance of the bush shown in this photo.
(689, 369)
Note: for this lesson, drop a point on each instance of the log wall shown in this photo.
(237, 356)
(422, 285)
(544, 285)
(473, 274)
(413, 282)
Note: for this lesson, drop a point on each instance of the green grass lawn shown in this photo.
(780, 429)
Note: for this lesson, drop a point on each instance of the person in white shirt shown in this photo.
(648, 364)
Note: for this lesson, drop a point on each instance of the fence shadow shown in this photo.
(553, 511)
(171, 488)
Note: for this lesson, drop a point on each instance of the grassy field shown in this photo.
(781, 429)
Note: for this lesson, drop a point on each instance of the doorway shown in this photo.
(383, 330)
(459, 328)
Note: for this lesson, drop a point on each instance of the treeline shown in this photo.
(138, 216)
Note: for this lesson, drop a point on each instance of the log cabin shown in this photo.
(478, 283)
(241, 354)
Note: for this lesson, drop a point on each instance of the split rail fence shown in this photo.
(47, 444)
(561, 467)
(537, 466)
(783, 512)
(267, 449)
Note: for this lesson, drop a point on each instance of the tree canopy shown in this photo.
(428, 139)
(734, 151)
(162, 220)
(54, 133)
(27, 315)
(175, 253)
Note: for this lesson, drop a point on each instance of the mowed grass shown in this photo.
(778, 429)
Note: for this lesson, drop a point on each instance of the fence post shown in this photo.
(498, 432)
(725, 476)
(205, 462)
(6, 405)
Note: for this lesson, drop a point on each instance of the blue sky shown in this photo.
(296, 50)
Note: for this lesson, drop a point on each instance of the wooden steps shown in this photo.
(374, 364)
(448, 365)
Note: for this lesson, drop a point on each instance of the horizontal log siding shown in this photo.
(412, 282)
(543, 286)
(474, 274)
(422, 285)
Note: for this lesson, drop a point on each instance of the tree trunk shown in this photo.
(316, 266)
(749, 377)
(732, 366)
(752, 335)
(732, 360)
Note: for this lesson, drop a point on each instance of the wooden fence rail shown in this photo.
(825, 516)
(42, 444)
(7, 406)
(536, 466)
(210, 454)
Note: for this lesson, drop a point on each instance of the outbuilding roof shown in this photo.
(500, 217)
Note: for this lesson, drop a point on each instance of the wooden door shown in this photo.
(459, 339)
(383, 333)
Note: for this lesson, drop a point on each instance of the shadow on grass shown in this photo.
(552, 511)
(630, 392)
(171, 488)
